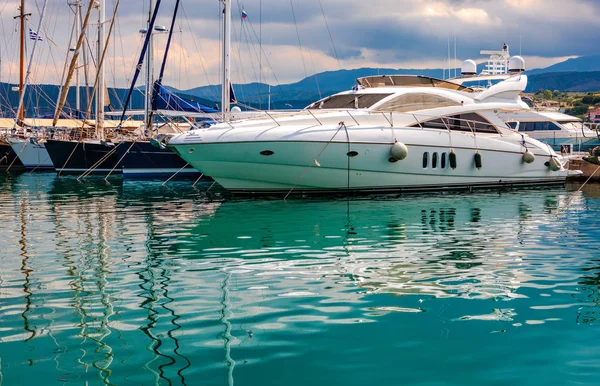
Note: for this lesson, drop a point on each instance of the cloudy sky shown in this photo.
(303, 37)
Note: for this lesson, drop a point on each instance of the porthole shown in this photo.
(425, 160)
(443, 161)
(267, 152)
(352, 153)
(392, 159)
(191, 150)
(434, 160)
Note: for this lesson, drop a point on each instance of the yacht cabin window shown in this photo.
(538, 126)
(471, 122)
(348, 101)
(414, 102)
(572, 125)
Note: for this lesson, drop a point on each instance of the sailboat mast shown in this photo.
(85, 68)
(72, 67)
(22, 59)
(32, 55)
(149, 62)
(101, 81)
(77, 83)
(225, 87)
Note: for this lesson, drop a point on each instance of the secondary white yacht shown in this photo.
(562, 132)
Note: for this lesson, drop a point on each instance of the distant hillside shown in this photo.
(40, 100)
(304, 92)
(565, 81)
(581, 64)
(580, 74)
(301, 94)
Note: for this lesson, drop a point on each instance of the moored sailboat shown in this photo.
(148, 156)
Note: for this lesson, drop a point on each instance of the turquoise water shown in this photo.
(135, 283)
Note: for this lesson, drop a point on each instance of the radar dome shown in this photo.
(469, 67)
(516, 64)
(236, 109)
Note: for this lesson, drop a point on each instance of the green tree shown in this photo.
(547, 94)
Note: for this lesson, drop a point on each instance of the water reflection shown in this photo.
(142, 283)
(437, 246)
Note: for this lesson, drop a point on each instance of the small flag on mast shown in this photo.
(244, 14)
(34, 35)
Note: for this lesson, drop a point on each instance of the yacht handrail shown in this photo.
(416, 116)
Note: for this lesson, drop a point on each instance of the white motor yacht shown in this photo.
(388, 133)
(563, 132)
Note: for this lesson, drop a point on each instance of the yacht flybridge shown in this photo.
(387, 133)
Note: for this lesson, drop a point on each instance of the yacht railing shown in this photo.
(387, 118)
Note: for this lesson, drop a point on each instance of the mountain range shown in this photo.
(580, 74)
(576, 75)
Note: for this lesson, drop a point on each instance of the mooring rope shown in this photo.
(578, 190)
(99, 162)
(119, 162)
(176, 173)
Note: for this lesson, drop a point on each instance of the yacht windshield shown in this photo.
(409, 81)
(348, 101)
(414, 102)
(572, 125)
(470, 122)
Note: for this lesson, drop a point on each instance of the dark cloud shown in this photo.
(375, 32)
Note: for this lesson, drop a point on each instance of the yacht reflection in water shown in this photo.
(473, 246)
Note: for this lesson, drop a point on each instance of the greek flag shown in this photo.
(34, 35)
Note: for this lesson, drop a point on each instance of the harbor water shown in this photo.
(138, 283)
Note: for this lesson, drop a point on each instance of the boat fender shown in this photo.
(107, 143)
(157, 144)
(554, 164)
(399, 151)
(528, 157)
(478, 160)
(452, 159)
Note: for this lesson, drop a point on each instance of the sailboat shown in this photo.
(148, 156)
(79, 155)
(29, 142)
(9, 159)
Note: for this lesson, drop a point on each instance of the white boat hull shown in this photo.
(32, 155)
(321, 166)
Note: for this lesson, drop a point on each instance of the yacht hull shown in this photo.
(8, 158)
(74, 157)
(368, 167)
(34, 156)
(141, 159)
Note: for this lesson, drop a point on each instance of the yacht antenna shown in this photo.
(455, 53)
(449, 73)
(497, 63)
